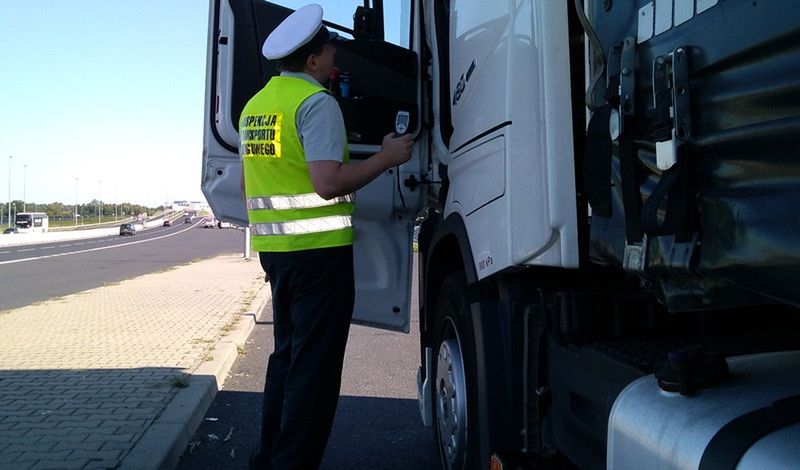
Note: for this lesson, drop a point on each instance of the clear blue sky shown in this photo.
(107, 91)
(111, 93)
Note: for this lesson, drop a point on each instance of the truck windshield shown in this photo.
(23, 220)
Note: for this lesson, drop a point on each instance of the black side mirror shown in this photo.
(368, 23)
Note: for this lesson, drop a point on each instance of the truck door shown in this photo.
(379, 79)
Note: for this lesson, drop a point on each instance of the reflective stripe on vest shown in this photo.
(298, 201)
(297, 227)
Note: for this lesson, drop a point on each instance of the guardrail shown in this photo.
(68, 228)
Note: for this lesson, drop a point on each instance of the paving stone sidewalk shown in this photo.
(120, 376)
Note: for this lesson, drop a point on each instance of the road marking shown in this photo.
(4, 252)
(26, 249)
(47, 247)
(76, 244)
(95, 249)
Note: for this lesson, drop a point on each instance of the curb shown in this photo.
(163, 442)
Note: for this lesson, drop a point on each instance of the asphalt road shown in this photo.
(33, 273)
(377, 422)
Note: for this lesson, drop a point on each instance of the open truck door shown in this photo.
(383, 87)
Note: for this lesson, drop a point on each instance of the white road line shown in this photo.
(47, 247)
(76, 244)
(4, 252)
(96, 249)
(26, 249)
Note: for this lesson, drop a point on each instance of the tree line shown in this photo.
(58, 210)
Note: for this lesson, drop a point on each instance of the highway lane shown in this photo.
(19, 253)
(33, 273)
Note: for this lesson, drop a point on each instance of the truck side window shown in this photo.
(396, 17)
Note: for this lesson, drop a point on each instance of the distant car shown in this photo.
(187, 220)
(127, 229)
(167, 223)
(221, 224)
(10, 230)
(208, 223)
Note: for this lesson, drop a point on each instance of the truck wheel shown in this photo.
(454, 389)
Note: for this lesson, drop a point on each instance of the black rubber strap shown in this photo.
(631, 196)
(650, 220)
(597, 162)
(674, 186)
(730, 443)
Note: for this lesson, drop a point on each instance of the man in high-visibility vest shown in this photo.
(299, 190)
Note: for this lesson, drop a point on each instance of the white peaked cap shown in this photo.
(293, 32)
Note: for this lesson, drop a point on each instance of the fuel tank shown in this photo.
(752, 420)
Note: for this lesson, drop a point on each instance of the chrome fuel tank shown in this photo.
(654, 429)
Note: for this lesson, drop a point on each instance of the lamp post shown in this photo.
(76, 201)
(24, 180)
(99, 204)
(9, 189)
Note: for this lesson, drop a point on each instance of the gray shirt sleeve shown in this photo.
(320, 126)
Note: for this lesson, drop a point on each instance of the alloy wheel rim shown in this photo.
(451, 402)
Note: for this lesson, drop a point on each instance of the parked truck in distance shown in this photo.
(32, 222)
(608, 197)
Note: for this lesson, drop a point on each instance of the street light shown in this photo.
(24, 180)
(76, 201)
(99, 203)
(9, 189)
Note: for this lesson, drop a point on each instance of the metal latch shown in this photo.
(672, 106)
(627, 81)
(635, 256)
(621, 79)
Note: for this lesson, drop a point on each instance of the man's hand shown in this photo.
(331, 178)
(397, 150)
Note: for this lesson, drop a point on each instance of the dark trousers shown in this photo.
(312, 304)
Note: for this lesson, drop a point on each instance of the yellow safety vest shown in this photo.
(284, 211)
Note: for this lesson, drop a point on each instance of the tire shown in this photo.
(454, 389)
